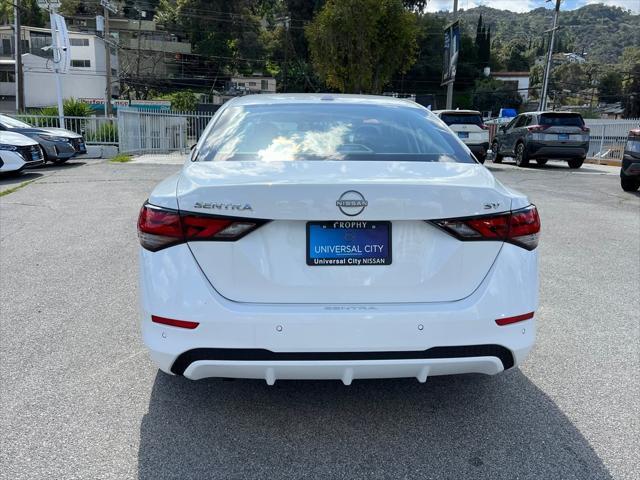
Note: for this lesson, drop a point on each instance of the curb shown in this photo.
(604, 161)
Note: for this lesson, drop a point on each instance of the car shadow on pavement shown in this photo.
(15, 178)
(451, 427)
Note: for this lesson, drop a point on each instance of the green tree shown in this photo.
(492, 95)
(514, 56)
(31, 14)
(610, 87)
(225, 33)
(357, 45)
(183, 101)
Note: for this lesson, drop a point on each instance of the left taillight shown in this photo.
(519, 227)
(160, 228)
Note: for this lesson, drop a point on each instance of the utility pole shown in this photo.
(18, 57)
(108, 110)
(450, 84)
(57, 59)
(547, 70)
(286, 51)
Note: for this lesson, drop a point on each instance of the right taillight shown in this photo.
(160, 228)
(520, 227)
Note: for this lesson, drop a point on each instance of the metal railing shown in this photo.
(159, 132)
(608, 137)
(95, 130)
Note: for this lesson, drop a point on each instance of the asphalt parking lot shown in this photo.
(80, 399)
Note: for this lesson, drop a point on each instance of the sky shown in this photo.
(526, 5)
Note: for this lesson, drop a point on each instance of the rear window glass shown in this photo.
(633, 145)
(561, 120)
(461, 119)
(331, 131)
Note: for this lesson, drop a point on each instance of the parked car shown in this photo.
(58, 144)
(470, 128)
(540, 136)
(630, 171)
(335, 237)
(18, 152)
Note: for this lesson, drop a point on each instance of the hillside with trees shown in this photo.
(599, 31)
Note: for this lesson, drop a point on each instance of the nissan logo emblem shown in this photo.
(351, 203)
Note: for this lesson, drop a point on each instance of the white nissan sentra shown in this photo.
(335, 237)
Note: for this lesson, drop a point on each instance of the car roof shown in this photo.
(456, 111)
(318, 98)
(540, 112)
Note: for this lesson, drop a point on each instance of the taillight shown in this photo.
(520, 227)
(585, 129)
(160, 228)
(537, 128)
(518, 318)
(483, 126)
(174, 323)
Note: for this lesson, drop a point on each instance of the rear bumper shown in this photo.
(346, 371)
(306, 341)
(546, 150)
(630, 168)
(478, 148)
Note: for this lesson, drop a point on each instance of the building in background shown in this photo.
(86, 77)
(146, 54)
(253, 84)
(518, 80)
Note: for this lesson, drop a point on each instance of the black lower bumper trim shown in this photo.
(257, 355)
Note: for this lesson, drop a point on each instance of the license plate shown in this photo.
(463, 134)
(353, 242)
(563, 136)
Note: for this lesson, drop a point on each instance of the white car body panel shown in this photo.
(257, 296)
(12, 160)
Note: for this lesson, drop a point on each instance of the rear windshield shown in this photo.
(561, 119)
(461, 118)
(633, 145)
(331, 131)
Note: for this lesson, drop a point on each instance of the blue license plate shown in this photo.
(353, 242)
(463, 134)
(563, 136)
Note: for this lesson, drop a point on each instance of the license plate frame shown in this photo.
(463, 135)
(362, 233)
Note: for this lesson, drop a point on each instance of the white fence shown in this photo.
(608, 137)
(159, 132)
(95, 130)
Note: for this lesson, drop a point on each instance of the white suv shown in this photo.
(469, 127)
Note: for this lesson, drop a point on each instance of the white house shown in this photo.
(255, 84)
(519, 80)
(86, 77)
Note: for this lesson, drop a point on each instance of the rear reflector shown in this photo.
(519, 227)
(160, 228)
(174, 323)
(516, 319)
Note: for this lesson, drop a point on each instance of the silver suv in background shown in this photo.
(469, 127)
(541, 136)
